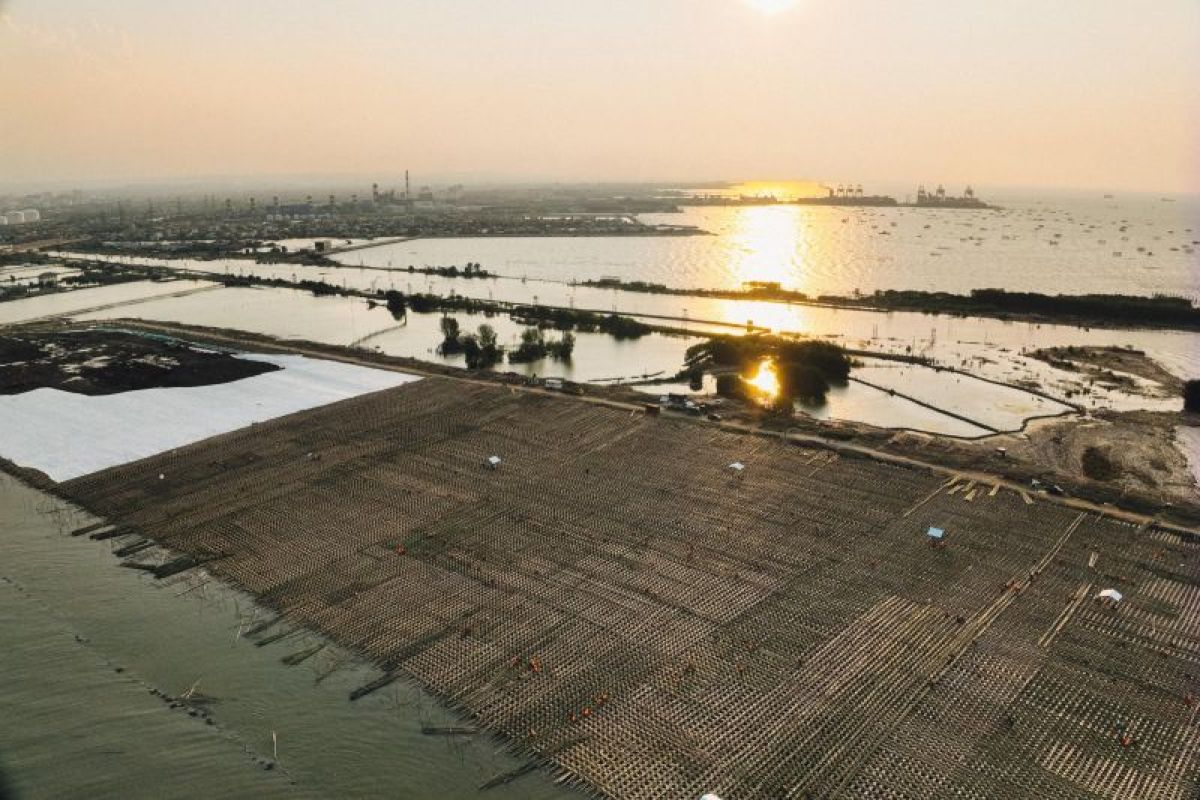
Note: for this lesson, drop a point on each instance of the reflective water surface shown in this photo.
(85, 643)
(1073, 245)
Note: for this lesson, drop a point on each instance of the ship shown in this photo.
(852, 195)
(939, 199)
(846, 195)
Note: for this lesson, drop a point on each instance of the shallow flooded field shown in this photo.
(29, 274)
(294, 314)
(70, 302)
(989, 348)
(999, 407)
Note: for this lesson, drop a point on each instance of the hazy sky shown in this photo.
(1088, 93)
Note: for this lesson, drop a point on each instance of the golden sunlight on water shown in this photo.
(765, 244)
(769, 244)
(773, 317)
(765, 381)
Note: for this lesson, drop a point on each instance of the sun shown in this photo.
(772, 6)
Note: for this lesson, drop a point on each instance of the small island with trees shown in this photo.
(481, 350)
(770, 370)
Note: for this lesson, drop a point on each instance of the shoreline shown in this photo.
(129, 664)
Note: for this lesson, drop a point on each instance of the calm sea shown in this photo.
(1134, 244)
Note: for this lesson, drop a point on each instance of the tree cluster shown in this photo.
(566, 319)
(805, 370)
(1158, 309)
(451, 342)
(480, 349)
(535, 347)
(473, 269)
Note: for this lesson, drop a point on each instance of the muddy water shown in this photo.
(986, 347)
(295, 314)
(14, 311)
(992, 345)
(85, 643)
(598, 357)
(999, 407)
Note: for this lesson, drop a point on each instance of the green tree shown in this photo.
(729, 386)
(1191, 396)
(532, 347)
(563, 348)
(473, 351)
(724, 351)
(395, 303)
(804, 382)
(827, 357)
(450, 336)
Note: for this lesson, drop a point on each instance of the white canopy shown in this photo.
(1111, 594)
(737, 466)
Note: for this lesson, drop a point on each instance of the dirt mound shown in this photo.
(109, 362)
(1115, 368)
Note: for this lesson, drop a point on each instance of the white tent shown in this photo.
(737, 466)
(1110, 594)
(493, 462)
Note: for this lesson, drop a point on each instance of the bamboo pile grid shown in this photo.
(615, 600)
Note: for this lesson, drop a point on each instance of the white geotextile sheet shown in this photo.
(67, 435)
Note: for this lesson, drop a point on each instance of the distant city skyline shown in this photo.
(1077, 94)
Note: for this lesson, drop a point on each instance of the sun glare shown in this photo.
(772, 6)
(766, 381)
(768, 245)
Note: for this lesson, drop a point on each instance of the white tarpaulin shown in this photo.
(66, 435)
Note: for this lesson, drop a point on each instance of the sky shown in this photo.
(1069, 93)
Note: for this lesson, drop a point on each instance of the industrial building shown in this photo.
(20, 217)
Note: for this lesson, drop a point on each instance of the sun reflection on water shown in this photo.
(766, 246)
(765, 380)
(771, 244)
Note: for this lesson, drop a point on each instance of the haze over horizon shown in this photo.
(1099, 94)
